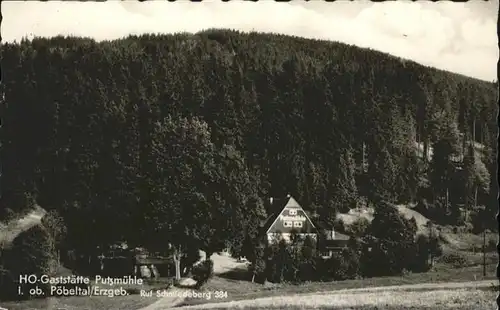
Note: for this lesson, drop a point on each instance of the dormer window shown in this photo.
(287, 224)
(297, 224)
(292, 212)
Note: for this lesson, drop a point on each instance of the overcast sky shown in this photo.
(459, 37)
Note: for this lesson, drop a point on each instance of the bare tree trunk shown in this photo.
(447, 199)
(253, 278)
(464, 146)
(481, 136)
(426, 150)
(177, 268)
(363, 157)
(474, 130)
(475, 198)
(430, 252)
(475, 204)
(177, 261)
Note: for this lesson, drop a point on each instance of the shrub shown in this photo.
(377, 259)
(339, 225)
(257, 265)
(491, 246)
(455, 259)
(292, 263)
(8, 282)
(56, 228)
(426, 248)
(389, 251)
(342, 266)
(358, 228)
(203, 272)
(30, 253)
(337, 267)
(468, 227)
(352, 260)
(300, 262)
(7, 214)
(257, 269)
(308, 266)
(33, 252)
(192, 257)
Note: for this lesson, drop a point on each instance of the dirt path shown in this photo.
(419, 286)
(223, 262)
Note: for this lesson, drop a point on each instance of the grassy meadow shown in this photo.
(462, 299)
(238, 289)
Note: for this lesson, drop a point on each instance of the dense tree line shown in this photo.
(182, 136)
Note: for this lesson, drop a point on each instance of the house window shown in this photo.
(287, 224)
(297, 224)
(292, 212)
(326, 253)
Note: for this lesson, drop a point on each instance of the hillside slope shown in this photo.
(454, 239)
(9, 231)
(299, 116)
(367, 213)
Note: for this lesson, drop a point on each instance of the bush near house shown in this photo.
(389, 251)
(427, 247)
(336, 268)
(203, 272)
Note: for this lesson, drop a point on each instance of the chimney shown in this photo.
(271, 200)
(288, 196)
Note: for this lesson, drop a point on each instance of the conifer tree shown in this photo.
(476, 178)
(442, 166)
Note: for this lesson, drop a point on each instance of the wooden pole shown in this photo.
(484, 253)
(430, 233)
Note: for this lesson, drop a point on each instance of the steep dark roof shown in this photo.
(267, 222)
(274, 210)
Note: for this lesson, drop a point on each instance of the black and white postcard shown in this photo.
(249, 155)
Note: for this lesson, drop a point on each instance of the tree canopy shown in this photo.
(185, 135)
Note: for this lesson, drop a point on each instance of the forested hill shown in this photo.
(153, 124)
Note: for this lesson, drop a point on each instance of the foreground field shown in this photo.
(239, 289)
(419, 297)
(81, 303)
